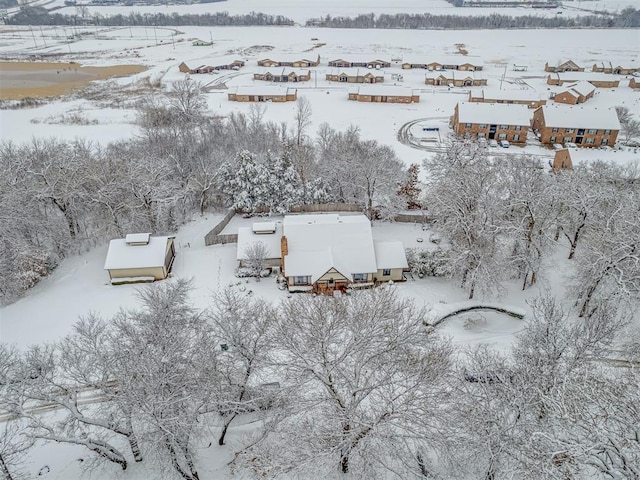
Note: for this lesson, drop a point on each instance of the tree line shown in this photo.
(355, 386)
(628, 18)
(41, 16)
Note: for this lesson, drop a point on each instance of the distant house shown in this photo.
(455, 79)
(294, 61)
(601, 80)
(530, 98)
(354, 75)
(323, 253)
(139, 257)
(615, 67)
(454, 63)
(584, 126)
(201, 43)
(266, 93)
(269, 233)
(568, 66)
(340, 63)
(221, 63)
(492, 121)
(283, 76)
(577, 93)
(384, 94)
(633, 83)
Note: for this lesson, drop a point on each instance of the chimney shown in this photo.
(284, 250)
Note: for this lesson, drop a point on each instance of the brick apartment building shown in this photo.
(492, 121)
(584, 126)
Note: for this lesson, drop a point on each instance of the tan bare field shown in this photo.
(43, 79)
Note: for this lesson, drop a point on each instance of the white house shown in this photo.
(327, 252)
(139, 257)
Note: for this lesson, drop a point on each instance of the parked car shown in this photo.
(606, 147)
(570, 145)
(557, 146)
(493, 143)
(505, 143)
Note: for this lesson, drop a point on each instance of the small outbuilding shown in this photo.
(139, 257)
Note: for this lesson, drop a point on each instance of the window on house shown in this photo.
(554, 129)
(302, 280)
(516, 138)
(468, 125)
(502, 136)
(504, 127)
(567, 139)
(605, 141)
(482, 135)
(518, 127)
(569, 130)
(552, 139)
(592, 131)
(482, 126)
(590, 141)
(359, 277)
(386, 272)
(607, 132)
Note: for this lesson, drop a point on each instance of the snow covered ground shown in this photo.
(163, 49)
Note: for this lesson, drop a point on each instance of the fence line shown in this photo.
(210, 237)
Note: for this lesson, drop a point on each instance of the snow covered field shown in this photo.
(163, 49)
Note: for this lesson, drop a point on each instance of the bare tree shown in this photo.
(243, 327)
(366, 382)
(255, 255)
(302, 119)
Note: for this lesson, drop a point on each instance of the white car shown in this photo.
(505, 143)
(570, 145)
(557, 146)
(493, 143)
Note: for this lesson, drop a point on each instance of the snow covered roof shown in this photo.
(496, 94)
(137, 238)
(587, 76)
(452, 60)
(620, 157)
(122, 255)
(281, 71)
(358, 60)
(264, 90)
(581, 88)
(580, 117)
(246, 238)
(386, 90)
(390, 255)
(290, 57)
(455, 74)
(317, 243)
(494, 113)
(353, 71)
(264, 227)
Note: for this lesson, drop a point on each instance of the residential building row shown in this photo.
(364, 93)
(616, 67)
(552, 124)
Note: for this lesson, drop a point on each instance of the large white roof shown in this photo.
(526, 95)
(121, 255)
(387, 90)
(246, 238)
(580, 117)
(390, 255)
(317, 243)
(494, 113)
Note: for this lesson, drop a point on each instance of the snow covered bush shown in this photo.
(427, 263)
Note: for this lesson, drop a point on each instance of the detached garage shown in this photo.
(139, 257)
